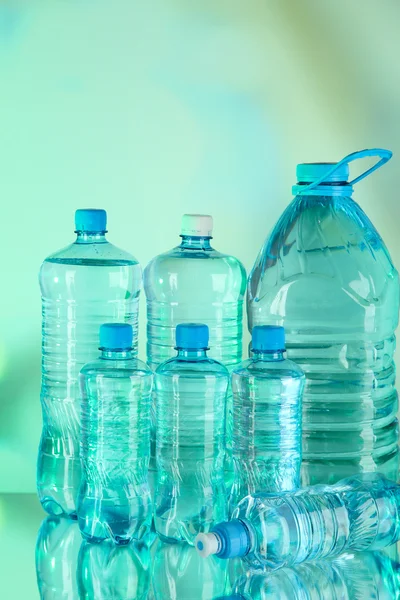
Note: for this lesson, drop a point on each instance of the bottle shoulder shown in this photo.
(207, 366)
(111, 368)
(95, 253)
(170, 257)
(274, 369)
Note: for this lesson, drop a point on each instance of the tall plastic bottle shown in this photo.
(85, 284)
(193, 282)
(351, 576)
(191, 405)
(114, 497)
(267, 391)
(325, 274)
(357, 514)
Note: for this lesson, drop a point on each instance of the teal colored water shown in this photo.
(193, 282)
(84, 285)
(325, 274)
(114, 497)
(368, 575)
(191, 407)
(57, 550)
(109, 572)
(180, 574)
(267, 392)
(360, 513)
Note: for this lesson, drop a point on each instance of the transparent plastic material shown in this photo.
(109, 572)
(351, 577)
(180, 574)
(267, 392)
(357, 514)
(114, 497)
(191, 405)
(57, 550)
(195, 283)
(84, 285)
(325, 274)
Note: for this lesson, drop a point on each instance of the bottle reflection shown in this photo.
(179, 573)
(361, 576)
(107, 571)
(68, 568)
(57, 550)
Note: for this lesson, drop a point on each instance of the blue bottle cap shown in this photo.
(268, 338)
(192, 336)
(309, 172)
(234, 538)
(90, 219)
(116, 336)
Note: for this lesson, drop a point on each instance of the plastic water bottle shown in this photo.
(351, 576)
(267, 392)
(109, 572)
(180, 574)
(84, 285)
(195, 283)
(191, 405)
(114, 498)
(325, 274)
(359, 513)
(57, 550)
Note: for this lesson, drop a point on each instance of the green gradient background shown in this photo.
(153, 108)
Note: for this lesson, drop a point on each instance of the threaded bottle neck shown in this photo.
(192, 354)
(268, 356)
(190, 242)
(90, 237)
(116, 354)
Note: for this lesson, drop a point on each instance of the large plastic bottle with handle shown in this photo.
(325, 274)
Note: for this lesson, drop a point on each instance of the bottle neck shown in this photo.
(116, 354)
(268, 356)
(91, 237)
(190, 242)
(192, 354)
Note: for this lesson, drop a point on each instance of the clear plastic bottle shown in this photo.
(325, 274)
(267, 391)
(191, 405)
(180, 574)
(84, 285)
(195, 283)
(57, 550)
(351, 576)
(110, 572)
(274, 531)
(114, 497)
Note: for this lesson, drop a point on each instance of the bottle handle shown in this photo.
(383, 154)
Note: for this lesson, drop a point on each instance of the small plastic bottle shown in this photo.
(114, 499)
(191, 410)
(267, 391)
(352, 576)
(274, 531)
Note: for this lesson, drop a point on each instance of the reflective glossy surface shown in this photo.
(69, 568)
